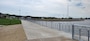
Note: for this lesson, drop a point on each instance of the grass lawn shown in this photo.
(9, 21)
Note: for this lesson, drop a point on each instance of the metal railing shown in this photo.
(79, 32)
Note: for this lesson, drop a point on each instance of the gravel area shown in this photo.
(12, 33)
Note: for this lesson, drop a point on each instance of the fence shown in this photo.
(79, 32)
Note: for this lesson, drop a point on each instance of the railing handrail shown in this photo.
(83, 26)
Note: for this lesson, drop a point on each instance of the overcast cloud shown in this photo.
(54, 8)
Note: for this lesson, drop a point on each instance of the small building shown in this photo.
(36, 17)
(42, 17)
(7, 15)
(26, 17)
(18, 17)
(1, 15)
(12, 16)
(4, 15)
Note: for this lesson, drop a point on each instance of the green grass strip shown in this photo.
(4, 21)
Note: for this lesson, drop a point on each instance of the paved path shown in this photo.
(35, 32)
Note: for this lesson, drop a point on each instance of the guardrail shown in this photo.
(79, 32)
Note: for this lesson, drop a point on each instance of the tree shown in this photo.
(70, 18)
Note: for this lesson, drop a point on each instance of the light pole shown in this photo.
(67, 9)
(19, 13)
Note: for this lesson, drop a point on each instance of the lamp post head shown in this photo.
(69, 0)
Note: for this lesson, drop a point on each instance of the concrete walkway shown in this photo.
(35, 32)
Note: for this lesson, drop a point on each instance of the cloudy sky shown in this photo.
(47, 8)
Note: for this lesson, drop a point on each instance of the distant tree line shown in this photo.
(50, 18)
(2, 15)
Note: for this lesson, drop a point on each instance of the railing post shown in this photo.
(59, 27)
(79, 34)
(46, 23)
(51, 24)
(73, 32)
(88, 35)
(42, 23)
